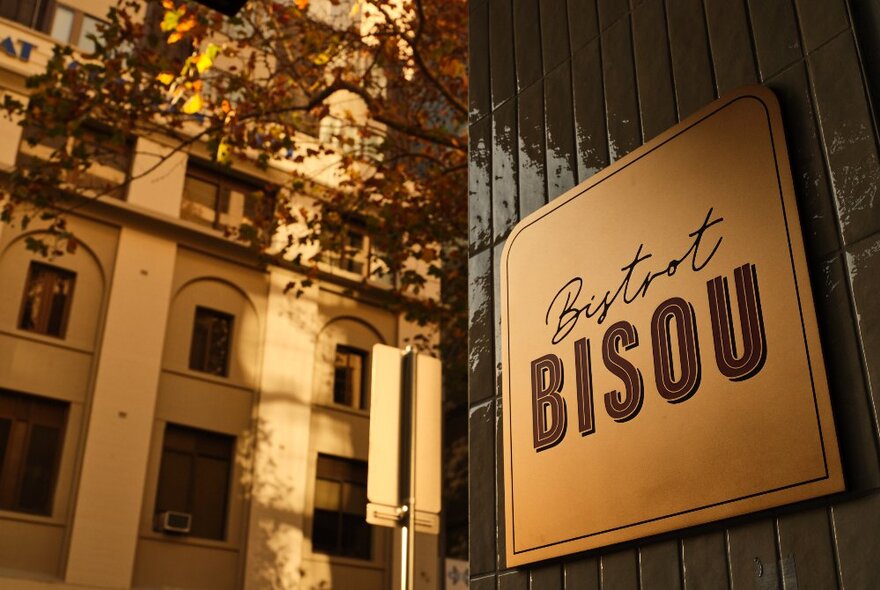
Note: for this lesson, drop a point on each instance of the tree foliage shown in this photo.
(373, 90)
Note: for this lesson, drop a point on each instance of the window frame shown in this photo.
(41, 17)
(362, 399)
(28, 411)
(216, 313)
(76, 25)
(198, 436)
(353, 465)
(336, 262)
(46, 304)
(226, 184)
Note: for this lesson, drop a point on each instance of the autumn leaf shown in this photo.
(165, 78)
(302, 4)
(193, 105)
(174, 38)
(206, 60)
(223, 151)
(170, 20)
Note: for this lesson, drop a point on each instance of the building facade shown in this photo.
(169, 415)
(560, 90)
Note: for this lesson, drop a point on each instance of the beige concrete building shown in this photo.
(169, 417)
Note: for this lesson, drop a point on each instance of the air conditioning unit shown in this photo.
(173, 522)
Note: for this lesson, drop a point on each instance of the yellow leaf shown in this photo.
(223, 152)
(203, 63)
(302, 4)
(320, 59)
(165, 78)
(170, 20)
(168, 4)
(193, 105)
(174, 38)
(355, 9)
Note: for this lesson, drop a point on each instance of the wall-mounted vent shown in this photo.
(173, 522)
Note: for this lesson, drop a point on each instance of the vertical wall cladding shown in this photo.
(562, 88)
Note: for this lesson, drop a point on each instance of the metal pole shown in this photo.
(409, 540)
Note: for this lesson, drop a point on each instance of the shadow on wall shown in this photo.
(276, 528)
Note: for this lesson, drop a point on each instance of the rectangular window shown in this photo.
(30, 13)
(194, 478)
(220, 202)
(73, 27)
(212, 337)
(110, 157)
(351, 255)
(339, 525)
(349, 377)
(45, 306)
(31, 436)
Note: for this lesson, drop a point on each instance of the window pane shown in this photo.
(39, 469)
(355, 500)
(61, 289)
(200, 201)
(356, 537)
(212, 333)
(341, 386)
(5, 427)
(62, 24)
(27, 12)
(339, 524)
(219, 345)
(325, 531)
(47, 299)
(175, 474)
(348, 377)
(209, 497)
(327, 494)
(89, 27)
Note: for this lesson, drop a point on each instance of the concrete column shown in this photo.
(108, 503)
(275, 535)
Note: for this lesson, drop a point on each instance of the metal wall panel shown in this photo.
(559, 89)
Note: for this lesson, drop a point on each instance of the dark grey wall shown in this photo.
(560, 89)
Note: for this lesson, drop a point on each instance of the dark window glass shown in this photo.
(194, 478)
(47, 297)
(39, 467)
(30, 13)
(339, 525)
(212, 335)
(220, 201)
(31, 436)
(349, 377)
(5, 428)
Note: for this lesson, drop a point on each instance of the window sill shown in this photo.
(343, 409)
(208, 378)
(32, 518)
(372, 564)
(151, 535)
(48, 340)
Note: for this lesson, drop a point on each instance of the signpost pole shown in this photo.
(409, 542)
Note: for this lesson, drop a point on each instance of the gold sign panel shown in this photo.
(662, 365)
